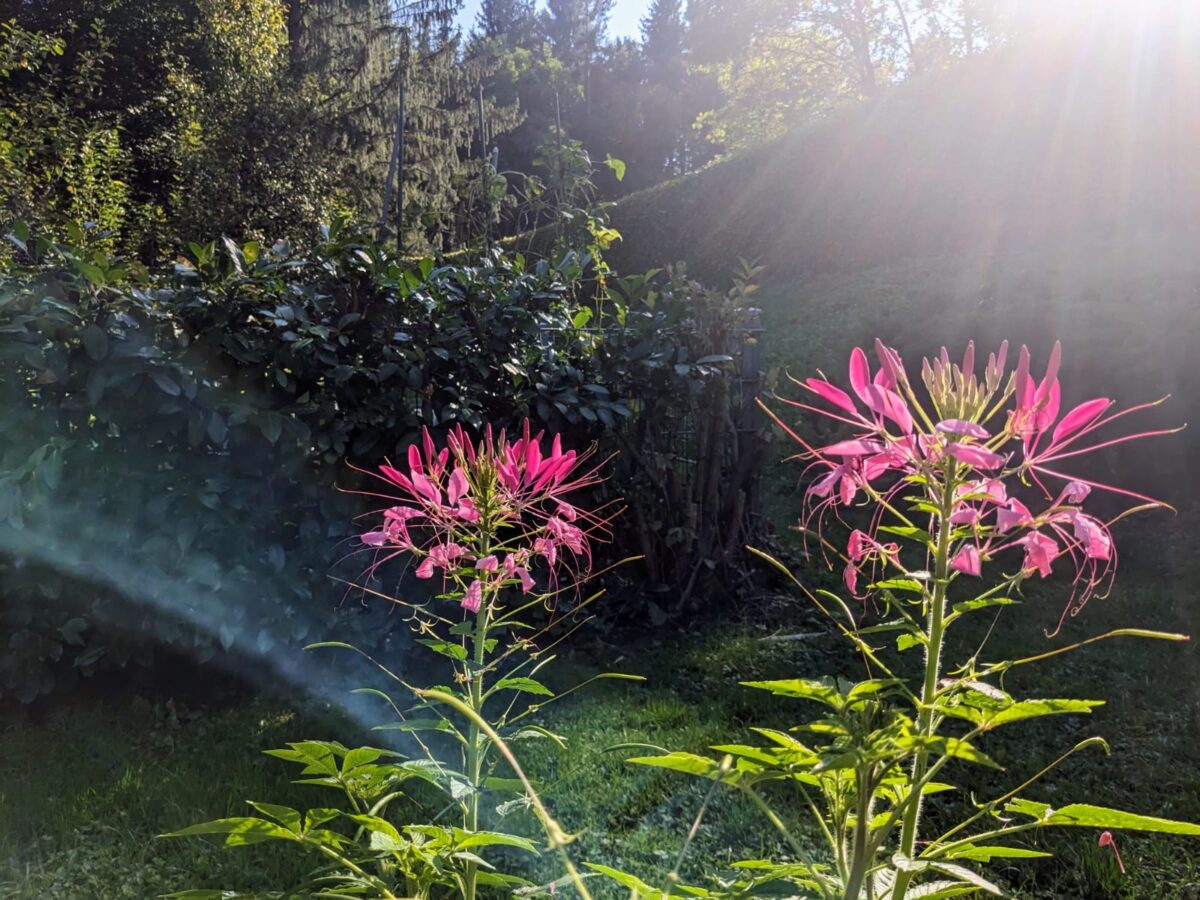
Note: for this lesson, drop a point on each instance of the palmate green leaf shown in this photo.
(967, 875)
(962, 874)
(414, 726)
(920, 535)
(319, 815)
(239, 831)
(454, 651)
(908, 641)
(285, 815)
(950, 746)
(1083, 815)
(939, 890)
(363, 756)
(537, 732)
(869, 688)
(965, 606)
(501, 880)
(691, 763)
(899, 584)
(1021, 710)
(493, 838)
(835, 693)
(987, 852)
(378, 825)
(521, 683)
(767, 756)
(783, 739)
(823, 690)
(635, 885)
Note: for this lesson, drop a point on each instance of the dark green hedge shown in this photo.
(174, 440)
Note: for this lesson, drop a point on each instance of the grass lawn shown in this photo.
(86, 789)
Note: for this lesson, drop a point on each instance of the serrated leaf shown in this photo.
(967, 606)
(987, 852)
(821, 691)
(1019, 710)
(537, 731)
(523, 684)
(288, 817)
(239, 831)
(495, 838)
(908, 641)
(1083, 815)
(899, 584)
(691, 763)
(630, 882)
(454, 651)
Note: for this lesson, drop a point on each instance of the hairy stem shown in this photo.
(861, 850)
(475, 698)
(933, 662)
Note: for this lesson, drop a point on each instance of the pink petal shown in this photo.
(963, 428)
(892, 405)
(1076, 492)
(853, 448)
(1040, 551)
(488, 564)
(850, 577)
(457, 487)
(473, 598)
(1015, 516)
(890, 367)
(1021, 384)
(533, 460)
(831, 394)
(1081, 416)
(425, 488)
(1097, 542)
(526, 579)
(1047, 402)
(860, 374)
(374, 538)
(425, 569)
(396, 476)
(848, 490)
(964, 514)
(858, 545)
(976, 457)
(427, 443)
(967, 561)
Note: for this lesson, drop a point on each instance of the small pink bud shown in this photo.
(1107, 840)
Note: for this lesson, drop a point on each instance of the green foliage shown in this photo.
(58, 163)
(223, 396)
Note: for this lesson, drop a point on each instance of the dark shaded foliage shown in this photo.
(180, 434)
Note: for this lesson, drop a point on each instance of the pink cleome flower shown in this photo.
(965, 438)
(486, 513)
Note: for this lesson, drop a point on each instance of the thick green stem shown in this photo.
(861, 849)
(933, 663)
(474, 735)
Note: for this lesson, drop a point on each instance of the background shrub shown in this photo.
(180, 433)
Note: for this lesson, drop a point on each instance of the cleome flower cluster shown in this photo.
(954, 465)
(487, 515)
